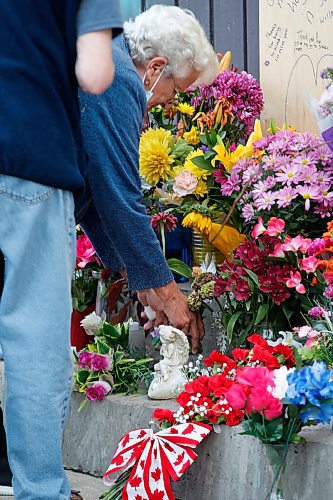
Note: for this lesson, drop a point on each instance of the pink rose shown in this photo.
(85, 359)
(185, 183)
(98, 391)
(85, 252)
(99, 362)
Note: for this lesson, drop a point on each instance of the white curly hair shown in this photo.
(176, 34)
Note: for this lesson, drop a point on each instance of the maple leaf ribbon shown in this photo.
(155, 458)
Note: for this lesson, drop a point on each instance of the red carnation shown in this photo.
(199, 386)
(234, 417)
(264, 356)
(287, 353)
(164, 414)
(219, 384)
(258, 340)
(218, 358)
(183, 398)
(240, 354)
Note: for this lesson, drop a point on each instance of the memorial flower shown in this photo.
(156, 158)
(98, 391)
(293, 178)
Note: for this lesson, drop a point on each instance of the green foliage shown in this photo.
(179, 267)
(127, 374)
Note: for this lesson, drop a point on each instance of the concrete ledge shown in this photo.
(229, 466)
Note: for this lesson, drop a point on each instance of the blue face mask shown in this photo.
(149, 92)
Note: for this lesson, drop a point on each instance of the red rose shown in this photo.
(287, 353)
(163, 414)
(240, 354)
(263, 356)
(258, 340)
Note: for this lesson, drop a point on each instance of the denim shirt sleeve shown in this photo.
(95, 15)
(111, 128)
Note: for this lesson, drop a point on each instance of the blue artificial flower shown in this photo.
(308, 389)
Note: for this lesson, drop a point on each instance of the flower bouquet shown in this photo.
(178, 152)
(266, 281)
(260, 387)
(106, 364)
(289, 177)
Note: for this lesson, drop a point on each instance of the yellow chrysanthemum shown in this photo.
(192, 137)
(198, 172)
(185, 108)
(155, 155)
(201, 188)
(200, 223)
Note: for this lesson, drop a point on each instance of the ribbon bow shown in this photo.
(155, 457)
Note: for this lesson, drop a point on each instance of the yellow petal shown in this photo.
(225, 240)
(256, 134)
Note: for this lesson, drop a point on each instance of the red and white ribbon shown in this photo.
(155, 457)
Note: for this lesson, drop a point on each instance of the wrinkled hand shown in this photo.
(170, 304)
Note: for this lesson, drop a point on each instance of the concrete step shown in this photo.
(229, 466)
(90, 487)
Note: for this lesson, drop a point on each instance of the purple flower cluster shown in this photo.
(241, 89)
(294, 169)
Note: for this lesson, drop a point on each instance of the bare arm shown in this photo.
(94, 65)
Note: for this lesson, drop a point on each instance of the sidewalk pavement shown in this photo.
(90, 487)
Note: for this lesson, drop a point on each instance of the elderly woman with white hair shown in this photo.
(162, 52)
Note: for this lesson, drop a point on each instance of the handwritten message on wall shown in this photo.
(296, 43)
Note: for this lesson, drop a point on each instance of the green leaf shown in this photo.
(102, 347)
(200, 162)
(261, 313)
(213, 137)
(83, 404)
(110, 331)
(179, 267)
(288, 314)
(82, 376)
(253, 276)
(272, 126)
(209, 155)
(231, 324)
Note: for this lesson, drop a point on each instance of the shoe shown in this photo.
(6, 491)
(75, 495)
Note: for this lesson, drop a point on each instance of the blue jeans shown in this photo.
(37, 238)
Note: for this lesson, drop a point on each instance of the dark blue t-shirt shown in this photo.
(40, 136)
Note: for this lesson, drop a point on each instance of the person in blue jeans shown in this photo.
(41, 167)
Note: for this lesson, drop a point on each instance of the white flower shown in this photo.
(208, 266)
(92, 323)
(286, 338)
(280, 381)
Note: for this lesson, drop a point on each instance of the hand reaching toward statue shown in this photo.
(170, 305)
